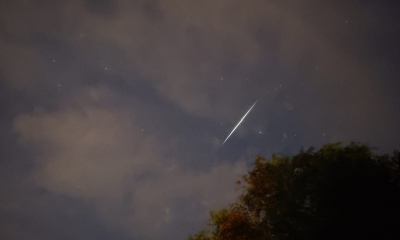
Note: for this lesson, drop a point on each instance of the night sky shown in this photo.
(113, 113)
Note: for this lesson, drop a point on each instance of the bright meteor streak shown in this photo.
(241, 120)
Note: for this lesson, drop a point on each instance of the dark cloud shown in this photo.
(31, 212)
(116, 110)
(102, 8)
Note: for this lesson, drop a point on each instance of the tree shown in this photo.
(336, 192)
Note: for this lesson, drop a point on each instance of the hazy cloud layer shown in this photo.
(99, 154)
(117, 109)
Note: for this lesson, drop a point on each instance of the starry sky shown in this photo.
(113, 112)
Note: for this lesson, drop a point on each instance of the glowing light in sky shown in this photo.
(241, 120)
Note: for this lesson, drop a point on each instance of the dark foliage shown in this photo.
(337, 192)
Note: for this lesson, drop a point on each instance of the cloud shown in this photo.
(184, 55)
(169, 67)
(101, 156)
(198, 55)
(22, 65)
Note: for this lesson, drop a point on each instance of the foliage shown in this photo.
(336, 192)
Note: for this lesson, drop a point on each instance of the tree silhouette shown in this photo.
(336, 192)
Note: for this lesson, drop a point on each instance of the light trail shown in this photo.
(241, 120)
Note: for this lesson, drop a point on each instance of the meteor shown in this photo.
(241, 120)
